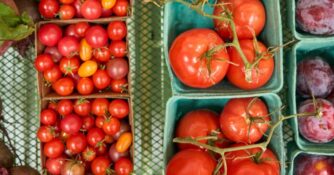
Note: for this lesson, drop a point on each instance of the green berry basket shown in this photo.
(181, 18)
(179, 106)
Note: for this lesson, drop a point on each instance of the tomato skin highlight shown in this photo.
(185, 57)
(48, 8)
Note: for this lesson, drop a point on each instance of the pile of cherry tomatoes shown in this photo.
(86, 136)
(83, 56)
(89, 9)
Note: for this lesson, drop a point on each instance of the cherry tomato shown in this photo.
(101, 149)
(102, 54)
(53, 165)
(249, 17)
(66, 1)
(43, 62)
(96, 36)
(91, 9)
(109, 139)
(53, 51)
(65, 107)
(88, 122)
(100, 106)
(52, 105)
(87, 69)
(95, 136)
(123, 166)
(49, 34)
(114, 155)
(76, 143)
(70, 31)
(111, 126)
(190, 161)
(77, 5)
(71, 124)
(54, 148)
(108, 4)
(81, 28)
(45, 134)
(63, 86)
(121, 8)
(85, 86)
(124, 142)
(118, 49)
(244, 120)
(48, 117)
(117, 68)
(99, 121)
(100, 165)
(68, 46)
(260, 75)
(66, 12)
(82, 107)
(69, 65)
(106, 13)
(119, 108)
(48, 8)
(119, 86)
(117, 30)
(194, 72)
(53, 74)
(101, 79)
(72, 167)
(89, 154)
(197, 123)
(125, 127)
(85, 50)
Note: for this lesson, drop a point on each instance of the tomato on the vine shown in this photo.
(91, 9)
(63, 86)
(101, 79)
(43, 62)
(49, 34)
(119, 108)
(121, 8)
(85, 86)
(53, 74)
(250, 117)
(202, 46)
(82, 107)
(100, 165)
(65, 107)
(123, 166)
(48, 8)
(111, 126)
(45, 134)
(76, 143)
(69, 65)
(117, 30)
(66, 12)
(48, 117)
(54, 148)
(100, 106)
(261, 73)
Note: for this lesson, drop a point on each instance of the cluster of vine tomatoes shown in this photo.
(200, 59)
(85, 56)
(242, 121)
(83, 135)
(89, 9)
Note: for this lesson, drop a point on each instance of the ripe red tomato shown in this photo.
(65, 107)
(260, 75)
(108, 139)
(71, 124)
(53, 74)
(54, 148)
(49, 34)
(117, 30)
(197, 123)
(48, 117)
(121, 8)
(101, 79)
(95, 136)
(43, 62)
(111, 126)
(118, 49)
(245, 161)
(82, 107)
(101, 149)
(81, 28)
(100, 106)
(85, 86)
(52, 105)
(250, 127)
(48, 8)
(66, 1)
(99, 121)
(100, 165)
(63, 86)
(117, 68)
(119, 108)
(89, 154)
(53, 51)
(102, 54)
(76, 143)
(53, 165)
(77, 5)
(91, 9)
(190, 161)
(96, 36)
(119, 86)
(69, 65)
(123, 166)
(45, 134)
(249, 17)
(70, 31)
(88, 122)
(106, 12)
(195, 44)
(66, 12)
(69, 46)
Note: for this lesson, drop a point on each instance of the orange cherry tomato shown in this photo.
(85, 50)
(124, 142)
(108, 4)
(87, 69)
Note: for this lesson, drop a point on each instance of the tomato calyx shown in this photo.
(81, 101)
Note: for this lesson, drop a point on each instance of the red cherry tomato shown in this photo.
(99, 121)
(53, 51)
(117, 68)
(111, 126)
(70, 31)
(77, 5)
(101, 149)
(96, 36)
(53, 165)
(101, 79)
(76, 143)
(119, 86)
(69, 46)
(71, 124)
(118, 49)
(66, 1)
(69, 65)
(106, 13)
(65, 107)
(66, 12)
(95, 136)
(53, 74)
(48, 8)
(123, 166)
(100, 106)
(102, 54)
(100, 165)
(43, 62)
(52, 105)
(82, 107)
(121, 8)
(54, 148)
(91, 9)
(88, 122)
(85, 86)
(63, 86)
(48, 117)
(119, 108)
(117, 30)
(89, 154)
(45, 134)
(49, 34)
(81, 28)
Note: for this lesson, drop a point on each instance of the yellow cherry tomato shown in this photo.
(85, 50)
(124, 142)
(108, 4)
(87, 69)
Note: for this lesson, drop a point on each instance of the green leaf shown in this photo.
(5, 10)
(17, 33)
